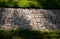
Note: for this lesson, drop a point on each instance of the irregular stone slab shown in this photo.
(35, 19)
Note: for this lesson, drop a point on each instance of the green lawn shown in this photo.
(30, 3)
(28, 34)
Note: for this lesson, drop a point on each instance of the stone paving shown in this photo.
(36, 19)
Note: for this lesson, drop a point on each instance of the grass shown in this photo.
(31, 3)
(28, 34)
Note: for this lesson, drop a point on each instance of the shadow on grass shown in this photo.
(28, 34)
(46, 4)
